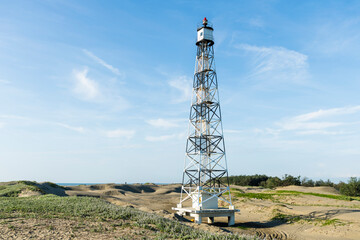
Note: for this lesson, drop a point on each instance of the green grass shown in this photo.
(279, 193)
(262, 196)
(334, 221)
(337, 197)
(54, 185)
(286, 218)
(328, 205)
(98, 210)
(13, 189)
(303, 218)
(242, 227)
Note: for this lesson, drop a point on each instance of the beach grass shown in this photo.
(331, 196)
(13, 189)
(288, 218)
(98, 210)
(271, 195)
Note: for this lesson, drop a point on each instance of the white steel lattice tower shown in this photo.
(205, 175)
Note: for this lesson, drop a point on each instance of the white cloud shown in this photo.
(14, 117)
(120, 133)
(335, 36)
(304, 124)
(269, 131)
(256, 22)
(321, 132)
(4, 81)
(292, 124)
(76, 129)
(2, 124)
(126, 146)
(85, 87)
(326, 113)
(232, 131)
(179, 136)
(119, 103)
(163, 123)
(160, 138)
(277, 64)
(103, 63)
(183, 84)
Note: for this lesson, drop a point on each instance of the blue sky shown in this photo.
(99, 91)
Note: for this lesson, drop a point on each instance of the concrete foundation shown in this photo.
(204, 201)
(209, 213)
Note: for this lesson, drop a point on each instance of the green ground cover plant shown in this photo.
(337, 197)
(302, 218)
(98, 210)
(262, 196)
(13, 189)
(272, 195)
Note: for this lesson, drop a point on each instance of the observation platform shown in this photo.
(198, 214)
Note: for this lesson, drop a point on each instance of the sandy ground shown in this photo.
(316, 217)
(30, 228)
(255, 217)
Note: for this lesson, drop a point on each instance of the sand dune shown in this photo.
(283, 213)
(321, 190)
(315, 217)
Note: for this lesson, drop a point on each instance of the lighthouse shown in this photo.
(205, 190)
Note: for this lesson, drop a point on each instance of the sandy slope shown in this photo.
(315, 217)
(322, 190)
(256, 214)
(32, 228)
(314, 210)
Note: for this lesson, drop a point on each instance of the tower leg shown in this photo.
(210, 219)
(198, 219)
(231, 219)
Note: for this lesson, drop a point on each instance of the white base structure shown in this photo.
(209, 213)
(203, 200)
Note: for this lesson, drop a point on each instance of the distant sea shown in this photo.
(76, 184)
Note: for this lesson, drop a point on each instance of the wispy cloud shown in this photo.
(4, 81)
(182, 84)
(326, 113)
(232, 131)
(85, 87)
(14, 117)
(293, 124)
(256, 22)
(160, 138)
(29, 120)
(125, 146)
(76, 129)
(277, 64)
(103, 63)
(119, 103)
(120, 133)
(164, 123)
(314, 122)
(321, 132)
(335, 36)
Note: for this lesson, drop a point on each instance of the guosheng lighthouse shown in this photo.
(205, 177)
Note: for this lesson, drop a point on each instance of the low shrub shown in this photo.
(352, 188)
